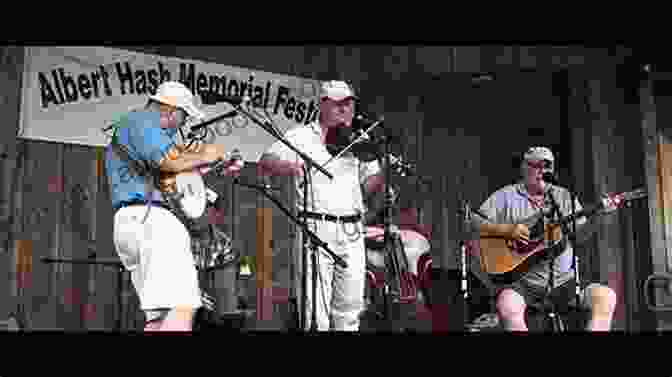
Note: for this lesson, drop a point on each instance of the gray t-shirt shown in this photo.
(511, 204)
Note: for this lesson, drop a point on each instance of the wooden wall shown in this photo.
(61, 202)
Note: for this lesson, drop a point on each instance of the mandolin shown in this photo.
(507, 260)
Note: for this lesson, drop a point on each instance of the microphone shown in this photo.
(197, 127)
(362, 121)
(234, 100)
(235, 158)
(210, 98)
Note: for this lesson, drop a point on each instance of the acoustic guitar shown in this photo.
(506, 261)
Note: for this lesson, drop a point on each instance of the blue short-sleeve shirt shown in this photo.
(145, 140)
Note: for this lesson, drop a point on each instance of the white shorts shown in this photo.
(158, 255)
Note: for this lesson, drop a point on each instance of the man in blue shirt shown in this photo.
(152, 242)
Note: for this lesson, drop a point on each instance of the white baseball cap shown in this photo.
(539, 153)
(176, 94)
(336, 90)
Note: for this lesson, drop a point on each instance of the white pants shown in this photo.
(159, 258)
(340, 292)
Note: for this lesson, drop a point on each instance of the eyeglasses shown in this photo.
(545, 164)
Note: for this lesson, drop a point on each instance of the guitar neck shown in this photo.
(587, 212)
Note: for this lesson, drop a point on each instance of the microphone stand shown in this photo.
(208, 122)
(306, 245)
(392, 296)
(572, 238)
(555, 319)
(464, 260)
(314, 241)
(468, 212)
(308, 236)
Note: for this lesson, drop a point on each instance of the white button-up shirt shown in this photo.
(341, 196)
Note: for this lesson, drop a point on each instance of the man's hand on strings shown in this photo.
(520, 233)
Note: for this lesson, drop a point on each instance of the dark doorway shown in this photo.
(476, 133)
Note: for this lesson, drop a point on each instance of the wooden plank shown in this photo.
(439, 139)
(41, 209)
(104, 296)
(434, 60)
(651, 142)
(467, 59)
(629, 177)
(606, 163)
(505, 56)
(348, 65)
(79, 224)
(11, 69)
(664, 152)
(16, 227)
(580, 121)
(318, 63)
(264, 263)
(665, 187)
(395, 63)
(23, 265)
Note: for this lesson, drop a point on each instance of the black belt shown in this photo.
(155, 203)
(332, 218)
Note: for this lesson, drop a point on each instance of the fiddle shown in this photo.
(361, 145)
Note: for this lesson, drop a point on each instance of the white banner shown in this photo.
(71, 93)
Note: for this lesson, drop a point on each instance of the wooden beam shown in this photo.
(664, 189)
(24, 263)
(264, 263)
(11, 69)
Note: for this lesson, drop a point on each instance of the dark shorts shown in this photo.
(534, 295)
(563, 298)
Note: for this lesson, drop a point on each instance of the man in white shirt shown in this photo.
(334, 207)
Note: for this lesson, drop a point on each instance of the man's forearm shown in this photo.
(189, 160)
(273, 166)
(185, 162)
(493, 230)
(375, 183)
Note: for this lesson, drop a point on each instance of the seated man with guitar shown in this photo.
(152, 242)
(514, 250)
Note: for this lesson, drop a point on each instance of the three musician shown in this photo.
(155, 246)
(507, 210)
